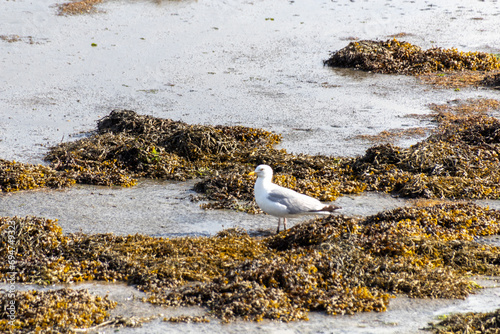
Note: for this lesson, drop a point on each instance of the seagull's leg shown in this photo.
(278, 230)
(284, 224)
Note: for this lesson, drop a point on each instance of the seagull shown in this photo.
(283, 202)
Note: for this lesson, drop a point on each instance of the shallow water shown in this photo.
(156, 208)
(252, 63)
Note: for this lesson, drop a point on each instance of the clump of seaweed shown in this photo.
(44, 255)
(492, 81)
(487, 323)
(393, 56)
(25, 39)
(189, 141)
(448, 164)
(77, 7)
(339, 265)
(439, 67)
(421, 252)
(54, 311)
(187, 319)
(388, 136)
(35, 244)
(128, 146)
(15, 176)
(461, 79)
(286, 287)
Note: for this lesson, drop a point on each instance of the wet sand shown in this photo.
(256, 64)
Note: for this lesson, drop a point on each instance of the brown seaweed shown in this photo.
(54, 311)
(393, 56)
(459, 160)
(339, 265)
(487, 323)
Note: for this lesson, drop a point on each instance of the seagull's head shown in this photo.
(263, 171)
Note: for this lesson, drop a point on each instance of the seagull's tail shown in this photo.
(331, 208)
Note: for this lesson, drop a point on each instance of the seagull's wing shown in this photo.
(294, 202)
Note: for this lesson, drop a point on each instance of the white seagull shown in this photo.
(283, 202)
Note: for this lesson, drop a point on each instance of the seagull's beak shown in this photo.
(251, 173)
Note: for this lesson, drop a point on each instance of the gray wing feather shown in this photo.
(295, 203)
